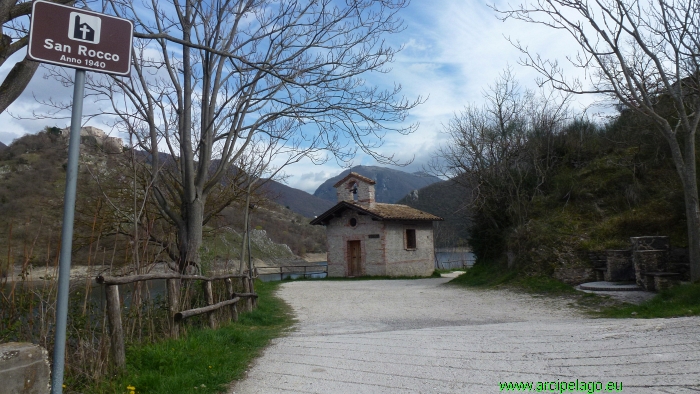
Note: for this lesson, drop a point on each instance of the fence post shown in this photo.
(210, 301)
(173, 286)
(281, 274)
(246, 289)
(114, 317)
(231, 295)
(254, 300)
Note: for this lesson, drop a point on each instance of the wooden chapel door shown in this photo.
(354, 258)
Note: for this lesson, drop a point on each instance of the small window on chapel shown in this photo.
(353, 222)
(410, 239)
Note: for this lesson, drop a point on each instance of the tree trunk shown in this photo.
(246, 231)
(685, 162)
(692, 214)
(190, 235)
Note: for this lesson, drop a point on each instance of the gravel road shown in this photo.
(421, 336)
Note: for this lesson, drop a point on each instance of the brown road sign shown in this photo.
(78, 38)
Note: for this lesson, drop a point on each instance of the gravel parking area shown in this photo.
(420, 336)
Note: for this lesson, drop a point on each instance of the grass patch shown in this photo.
(205, 361)
(493, 275)
(678, 301)
(485, 275)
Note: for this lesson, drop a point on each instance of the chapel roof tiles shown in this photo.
(355, 175)
(378, 211)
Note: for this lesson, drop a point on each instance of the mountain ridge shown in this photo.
(296, 200)
(447, 200)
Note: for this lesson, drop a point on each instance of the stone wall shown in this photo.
(339, 232)
(24, 368)
(619, 267)
(649, 254)
(648, 261)
(382, 246)
(574, 275)
(365, 191)
(403, 262)
(598, 259)
(678, 261)
(650, 243)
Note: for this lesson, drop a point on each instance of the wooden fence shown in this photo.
(114, 317)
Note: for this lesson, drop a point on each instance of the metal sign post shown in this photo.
(84, 40)
(59, 349)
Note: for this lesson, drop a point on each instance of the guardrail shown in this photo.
(452, 264)
(291, 270)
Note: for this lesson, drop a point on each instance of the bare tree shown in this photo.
(501, 151)
(14, 36)
(210, 78)
(643, 54)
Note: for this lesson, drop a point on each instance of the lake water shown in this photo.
(454, 259)
(317, 271)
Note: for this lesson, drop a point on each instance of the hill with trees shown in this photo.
(296, 200)
(548, 187)
(643, 60)
(32, 182)
(448, 200)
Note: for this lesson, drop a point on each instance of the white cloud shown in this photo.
(453, 49)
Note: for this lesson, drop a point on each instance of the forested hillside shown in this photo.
(450, 201)
(32, 182)
(296, 200)
(549, 186)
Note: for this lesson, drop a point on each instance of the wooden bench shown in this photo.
(659, 281)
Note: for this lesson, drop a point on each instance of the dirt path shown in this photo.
(418, 336)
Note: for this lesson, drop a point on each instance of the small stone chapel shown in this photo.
(367, 238)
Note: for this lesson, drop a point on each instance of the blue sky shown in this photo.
(453, 49)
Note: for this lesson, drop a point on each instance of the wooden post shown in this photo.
(231, 295)
(173, 286)
(208, 292)
(281, 274)
(114, 317)
(254, 300)
(248, 300)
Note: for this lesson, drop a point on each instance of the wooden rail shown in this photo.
(114, 318)
(198, 311)
(123, 280)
